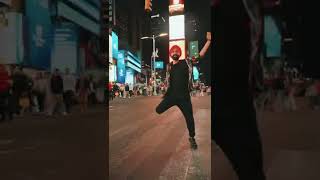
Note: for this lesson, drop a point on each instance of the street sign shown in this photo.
(194, 49)
(159, 65)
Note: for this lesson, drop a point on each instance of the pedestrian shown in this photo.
(5, 94)
(178, 93)
(56, 84)
(92, 97)
(234, 123)
(69, 84)
(126, 90)
(82, 90)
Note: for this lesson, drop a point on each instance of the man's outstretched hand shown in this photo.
(208, 36)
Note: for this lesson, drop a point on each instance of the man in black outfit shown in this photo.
(178, 93)
(237, 31)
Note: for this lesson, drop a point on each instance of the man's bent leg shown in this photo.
(165, 104)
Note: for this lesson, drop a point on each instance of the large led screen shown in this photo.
(159, 65)
(110, 49)
(11, 46)
(272, 37)
(115, 44)
(196, 73)
(121, 68)
(39, 28)
(65, 49)
(176, 27)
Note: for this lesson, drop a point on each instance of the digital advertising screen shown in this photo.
(115, 44)
(65, 49)
(40, 33)
(112, 73)
(121, 68)
(110, 50)
(130, 77)
(196, 73)
(11, 38)
(176, 7)
(159, 65)
(194, 49)
(272, 37)
(176, 27)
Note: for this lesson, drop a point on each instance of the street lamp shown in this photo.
(154, 58)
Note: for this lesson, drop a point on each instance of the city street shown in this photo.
(62, 148)
(145, 145)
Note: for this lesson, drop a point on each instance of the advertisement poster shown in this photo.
(40, 35)
(194, 49)
(11, 46)
(195, 73)
(272, 37)
(121, 68)
(115, 44)
(159, 65)
(65, 50)
(176, 27)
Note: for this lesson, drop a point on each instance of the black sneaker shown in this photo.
(193, 143)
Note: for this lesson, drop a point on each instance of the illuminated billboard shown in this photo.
(115, 45)
(195, 73)
(176, 27)
(159, 65)
(272, 37)
(112, 73)
(182, 45)
(121, 68)
(194, 49)
(176, 7)
(110, 49)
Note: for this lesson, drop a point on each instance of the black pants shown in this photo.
(184, 105)
(67, 97)
(236, 133)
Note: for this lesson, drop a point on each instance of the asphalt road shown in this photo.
(70, 147)
(146, 146)
(291, 142)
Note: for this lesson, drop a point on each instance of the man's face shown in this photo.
(175, 54)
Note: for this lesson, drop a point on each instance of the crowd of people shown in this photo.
(118, 90)
(280, 91)
(45, 92)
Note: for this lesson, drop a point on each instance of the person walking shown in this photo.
(69, 85)
(126, 90)
(5, 94)
(56, 84)
(82, 89)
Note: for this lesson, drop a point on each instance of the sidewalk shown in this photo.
(64, 147)
(291, 146)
